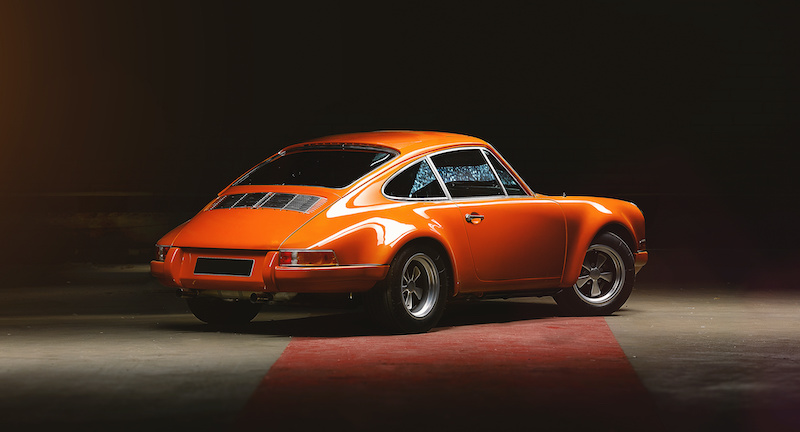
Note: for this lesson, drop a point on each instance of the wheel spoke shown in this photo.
(416, 274)
(582, 281)
(601, 259)
(607, 276)
(408, 300)
(595, 289)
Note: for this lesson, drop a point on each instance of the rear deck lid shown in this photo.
(249, 218)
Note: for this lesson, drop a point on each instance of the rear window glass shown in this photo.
(335, 167)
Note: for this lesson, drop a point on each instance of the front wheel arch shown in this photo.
(621, 232)
(605, 281)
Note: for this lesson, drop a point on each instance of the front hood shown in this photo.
(245, 219)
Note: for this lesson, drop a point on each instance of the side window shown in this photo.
(509, 182)
(416, 181)
(466, 174)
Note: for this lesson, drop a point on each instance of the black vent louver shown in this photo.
(249, 200)
(278, 201)
(228, 201)
(269, 200)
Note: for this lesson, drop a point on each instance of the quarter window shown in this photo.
(466, 174)
(416, 181)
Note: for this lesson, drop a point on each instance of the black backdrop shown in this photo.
(688, 108)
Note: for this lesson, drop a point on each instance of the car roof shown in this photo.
(401, 140)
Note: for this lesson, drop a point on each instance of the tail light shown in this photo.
(307, 258)
(161, 252)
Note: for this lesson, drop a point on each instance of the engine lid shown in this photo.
(242, 218)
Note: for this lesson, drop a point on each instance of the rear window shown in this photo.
(332, 167)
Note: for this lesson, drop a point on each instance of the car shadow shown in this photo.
(355, 322)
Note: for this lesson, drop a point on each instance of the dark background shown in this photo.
(120, 119)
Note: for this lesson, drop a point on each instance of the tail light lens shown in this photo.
(307, 258)
(161, 252)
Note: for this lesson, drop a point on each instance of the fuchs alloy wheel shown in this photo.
(412, 297)
(606, 278)
(223, 313)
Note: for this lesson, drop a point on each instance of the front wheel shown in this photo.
(606, 279)
(223, 313)
(412, 297)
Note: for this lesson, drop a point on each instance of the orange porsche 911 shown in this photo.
(406, 220)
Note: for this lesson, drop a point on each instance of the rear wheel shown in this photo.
(606, 279)
(412, 297)
(218, 312)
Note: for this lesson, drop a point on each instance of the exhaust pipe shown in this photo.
(260, 297)
(186, 293)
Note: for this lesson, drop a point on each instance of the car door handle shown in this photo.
(474, 218)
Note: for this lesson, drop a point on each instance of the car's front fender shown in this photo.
(586, 218)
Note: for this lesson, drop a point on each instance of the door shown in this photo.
(515, 238)
(519, 237)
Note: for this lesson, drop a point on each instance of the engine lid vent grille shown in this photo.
(269, 200)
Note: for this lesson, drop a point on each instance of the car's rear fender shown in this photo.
(361, 236)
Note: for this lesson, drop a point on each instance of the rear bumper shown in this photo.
(640, 259)
(177, 270)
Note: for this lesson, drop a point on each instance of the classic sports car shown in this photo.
(408, 221)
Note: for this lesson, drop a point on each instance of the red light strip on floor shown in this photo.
(553, 372)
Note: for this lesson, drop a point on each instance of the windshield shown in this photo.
(333, 167)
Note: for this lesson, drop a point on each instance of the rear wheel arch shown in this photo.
(441, 248)
(413, 296)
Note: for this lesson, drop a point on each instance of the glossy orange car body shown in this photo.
(520, 243)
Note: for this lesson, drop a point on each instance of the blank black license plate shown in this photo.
(224, 266)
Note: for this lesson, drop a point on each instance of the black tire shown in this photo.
(413, 296)
(223, 313)
(606, 279)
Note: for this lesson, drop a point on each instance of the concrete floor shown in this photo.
(716, 357)
(108, 347)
